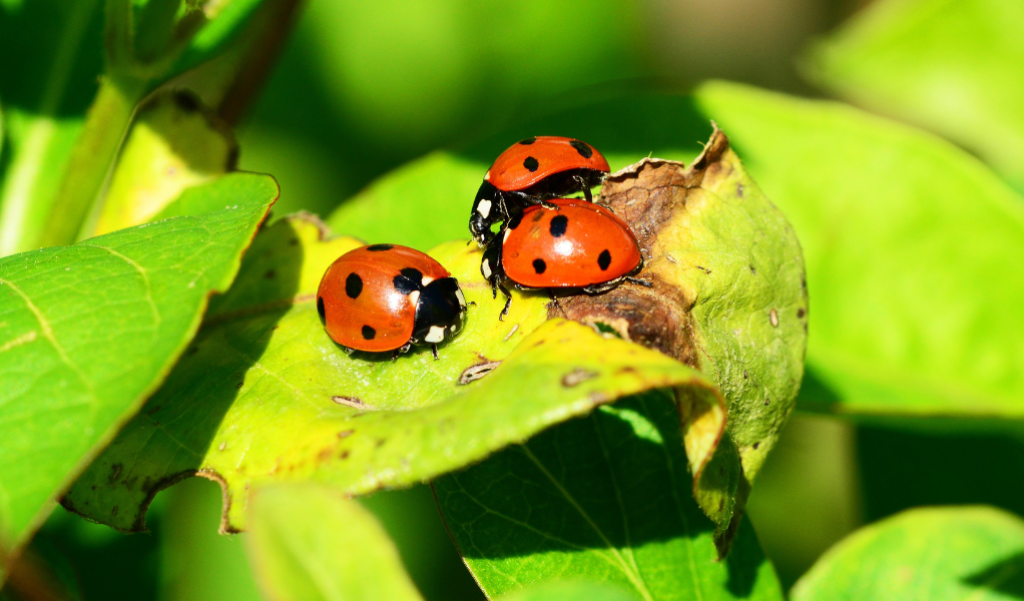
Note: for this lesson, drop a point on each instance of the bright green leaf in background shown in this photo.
(932, 554)
(952, 66)
(905, 238)
(603, 498)
(263, 394)
(308, 543)
(88, 331)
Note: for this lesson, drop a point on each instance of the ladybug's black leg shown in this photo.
(639, 282)
(554, 299)
(394, 354)
(433, 348)
(584, 187)
(508, 302)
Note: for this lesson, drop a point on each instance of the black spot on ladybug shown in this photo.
(558, 225)
(407, 280)
(380, 247)
(604, 259)
(531, 164)
(528, 141)
(369, 333)
(582, 148)
(353, 285)
(413, 274)
(320, 309)
(539, 265)
(515, 221)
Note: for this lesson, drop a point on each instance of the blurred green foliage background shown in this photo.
(362, 87)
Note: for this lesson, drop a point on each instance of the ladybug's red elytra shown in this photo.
(581, 245)
(532, 172)
(387, 297)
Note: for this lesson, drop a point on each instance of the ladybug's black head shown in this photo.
(485, 212)
(440, 312)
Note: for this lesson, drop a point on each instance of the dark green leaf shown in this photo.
(953, 67)
(934, 554)
(309, 543)
(604, 498)
(88, 331)
(570, 591)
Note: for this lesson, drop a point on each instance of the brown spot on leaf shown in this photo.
(578, 376)
(346, 433)
(801, 312)
(476, 372)
(349, 401)
(115, 471)
(344, 454)
(270, 274)
(113, 510)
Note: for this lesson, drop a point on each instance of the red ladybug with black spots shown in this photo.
(386, 297)
(532, 172)
(581, 245)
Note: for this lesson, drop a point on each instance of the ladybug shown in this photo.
(532, 172)
(581, 245)
(387, 297)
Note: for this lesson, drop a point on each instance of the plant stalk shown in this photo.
(91, 159)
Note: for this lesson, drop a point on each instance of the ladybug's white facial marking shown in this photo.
(414, 297)
(435, 335)
(487, 176)
(484, 208)
(462, 299)
(504, 238)
(426, 280)
(486, 268)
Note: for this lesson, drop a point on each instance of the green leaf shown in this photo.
(604, 498)
(951, 66)
(933, 554)
(264, 395)
(732, 304)
(224, 22)
(88, 331)
(728, 297)
(174, 144)
(570, 591)
(46, 93)
(912, 250)
(309, 543)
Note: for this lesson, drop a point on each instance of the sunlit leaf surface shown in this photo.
(264, 395)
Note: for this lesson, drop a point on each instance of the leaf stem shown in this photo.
(94, 153)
